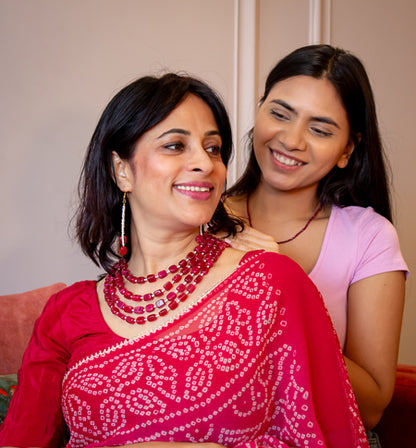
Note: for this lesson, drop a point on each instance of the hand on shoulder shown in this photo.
(251, 239)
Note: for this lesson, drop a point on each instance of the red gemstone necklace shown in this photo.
(297, 234)
(150, 306)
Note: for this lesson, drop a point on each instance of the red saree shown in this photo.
(255, 362)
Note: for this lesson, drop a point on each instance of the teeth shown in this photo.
(285, 160)
(191, 188)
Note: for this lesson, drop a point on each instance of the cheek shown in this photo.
(328, 157)
(152, 170)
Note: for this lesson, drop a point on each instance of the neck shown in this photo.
(280, 214)
(153, 251)
(294, 204)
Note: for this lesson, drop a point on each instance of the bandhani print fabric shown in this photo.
(255, 363)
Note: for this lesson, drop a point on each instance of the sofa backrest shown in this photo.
(18, 313)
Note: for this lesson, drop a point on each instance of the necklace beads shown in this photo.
(186, 275)
(296, 234)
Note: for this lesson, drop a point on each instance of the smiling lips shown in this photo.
(192, 188)
(195, 191)
(285, 160)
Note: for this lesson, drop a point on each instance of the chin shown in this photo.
(197, 217)
(198, 222)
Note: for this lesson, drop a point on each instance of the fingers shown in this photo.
(251, 233)
(251, 239)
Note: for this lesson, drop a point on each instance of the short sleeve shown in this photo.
(34, 417)
(378, 248)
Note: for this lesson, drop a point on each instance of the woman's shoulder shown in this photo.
(279, 273)
(363, 218)
(77, 309)
(81, 287)
(272, 262)
(356, 212)
(362, 231)
(72, 295)
(359, 229)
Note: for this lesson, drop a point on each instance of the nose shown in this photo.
(200, 160)
(293, 138)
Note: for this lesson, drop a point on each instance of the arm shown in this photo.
(34, 416)
(375, 308)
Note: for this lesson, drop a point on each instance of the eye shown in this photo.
(280, 115)
(215, 150)
(175, 146)
(321, 132)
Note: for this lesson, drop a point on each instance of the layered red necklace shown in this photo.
(184, 276)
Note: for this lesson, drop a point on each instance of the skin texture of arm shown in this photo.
(375, 308)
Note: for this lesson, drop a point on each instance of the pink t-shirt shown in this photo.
(358, 243)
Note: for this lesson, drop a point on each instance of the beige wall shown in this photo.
(62, 61)
(384, 36)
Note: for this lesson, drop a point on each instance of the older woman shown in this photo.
(184, 340)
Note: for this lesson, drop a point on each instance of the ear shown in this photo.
(122, 173)
(345, 157)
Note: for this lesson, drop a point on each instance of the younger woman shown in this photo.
(316, 185)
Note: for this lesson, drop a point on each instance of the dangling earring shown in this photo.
(123, 239)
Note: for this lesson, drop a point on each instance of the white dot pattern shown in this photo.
(231, 370)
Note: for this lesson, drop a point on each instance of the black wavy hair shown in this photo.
(134, 110)
(364, 181)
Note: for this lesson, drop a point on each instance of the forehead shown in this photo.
(192, 114)
(309, 95)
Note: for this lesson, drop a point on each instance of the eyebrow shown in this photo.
(184, 132)
(287, 106)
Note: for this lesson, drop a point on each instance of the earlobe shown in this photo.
(344, 159)
(121, 169)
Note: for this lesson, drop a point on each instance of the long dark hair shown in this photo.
(364, 181)
(134, 110)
